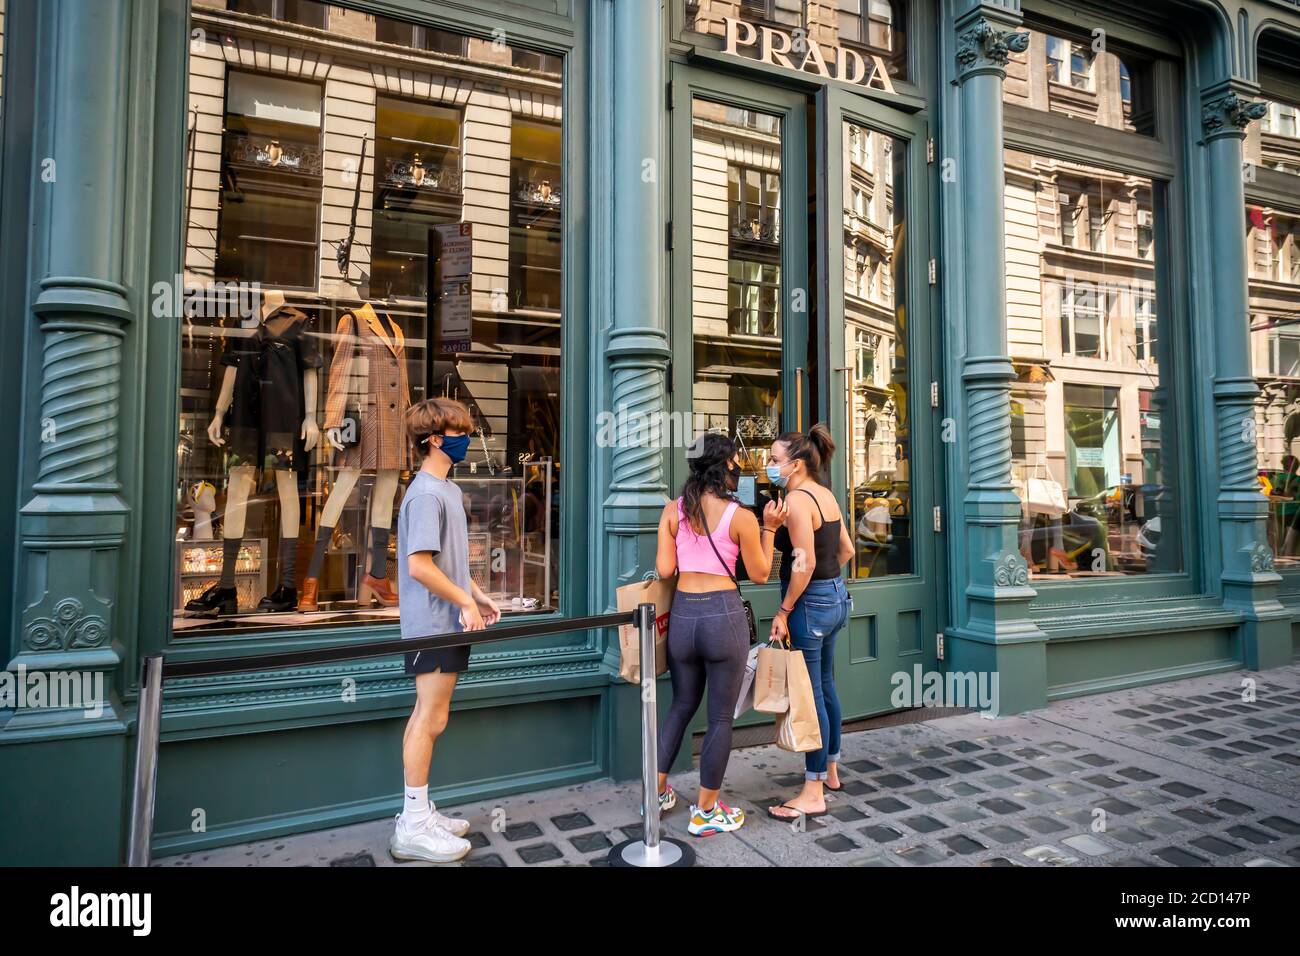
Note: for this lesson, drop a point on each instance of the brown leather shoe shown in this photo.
(379, 589)
(310, 591)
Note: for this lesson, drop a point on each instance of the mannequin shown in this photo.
(204, 501)
(268, 385)
(367, 378)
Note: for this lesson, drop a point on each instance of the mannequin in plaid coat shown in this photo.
(365, 407)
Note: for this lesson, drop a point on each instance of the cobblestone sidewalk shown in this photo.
(1185, 774)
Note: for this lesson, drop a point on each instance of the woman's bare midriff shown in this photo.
(700, 582)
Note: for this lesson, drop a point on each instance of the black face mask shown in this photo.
(733, 476)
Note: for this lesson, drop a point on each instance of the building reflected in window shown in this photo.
(1092, 433)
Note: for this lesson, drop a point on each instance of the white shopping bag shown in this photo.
(746, 699)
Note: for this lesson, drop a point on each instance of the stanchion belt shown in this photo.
(347, 652)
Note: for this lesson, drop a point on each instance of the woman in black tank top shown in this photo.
(814, 545)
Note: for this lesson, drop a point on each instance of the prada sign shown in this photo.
(799, 52)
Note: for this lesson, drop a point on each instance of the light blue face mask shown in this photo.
(775, 477)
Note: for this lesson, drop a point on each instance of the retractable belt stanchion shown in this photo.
(651, 850)
(149, 721)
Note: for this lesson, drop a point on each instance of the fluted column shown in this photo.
(74, 520)
(1249, 579)
(636, 348)
(993, 630)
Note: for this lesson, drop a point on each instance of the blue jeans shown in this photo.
(820, 613)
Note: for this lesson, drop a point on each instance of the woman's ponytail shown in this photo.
(820, 436)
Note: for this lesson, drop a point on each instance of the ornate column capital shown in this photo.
(1227, 110)
(983, 47)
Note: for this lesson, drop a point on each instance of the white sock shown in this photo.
(416, 807)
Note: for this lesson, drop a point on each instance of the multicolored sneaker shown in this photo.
(667, 800)
(721, 819)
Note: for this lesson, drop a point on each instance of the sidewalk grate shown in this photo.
(762, 734)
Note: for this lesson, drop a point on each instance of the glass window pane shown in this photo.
(338, 270)
(1063, 74)
(878, 456)
(1275, 141)
(1094, 466)
(1275, 354)
(736, 277)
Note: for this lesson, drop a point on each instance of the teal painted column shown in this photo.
(70, 764)
(73, 523)
(994, 632)
(636, 350)
(1249, 580)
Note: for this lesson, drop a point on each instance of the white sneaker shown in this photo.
(456, 826)
(430, 843)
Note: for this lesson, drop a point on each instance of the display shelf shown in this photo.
(198, 567)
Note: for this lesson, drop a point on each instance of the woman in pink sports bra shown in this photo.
(701, 534)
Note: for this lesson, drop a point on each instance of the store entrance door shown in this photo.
(741, 300)
(799, 294)
(879, 347)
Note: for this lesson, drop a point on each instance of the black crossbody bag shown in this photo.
(749, 608)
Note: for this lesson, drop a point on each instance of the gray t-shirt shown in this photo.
(432, 518)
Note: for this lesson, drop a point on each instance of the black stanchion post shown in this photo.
(148, 725)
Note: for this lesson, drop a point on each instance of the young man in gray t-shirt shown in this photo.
(438, 596)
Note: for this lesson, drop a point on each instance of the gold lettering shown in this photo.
(881, 74)
(735, 30)
(851, 67)
(816, 59)
(770, 52)
(774, 47)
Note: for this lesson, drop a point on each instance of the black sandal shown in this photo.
(811, 815)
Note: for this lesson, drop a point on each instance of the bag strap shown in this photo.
(709, 535)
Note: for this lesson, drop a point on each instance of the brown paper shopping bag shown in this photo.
(770, 695)
(797, 729)
(660, 594)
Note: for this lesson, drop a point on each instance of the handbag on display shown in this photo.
(650, 591)
(1044, 495)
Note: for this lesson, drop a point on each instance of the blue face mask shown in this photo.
(775, 477)
(455, 447)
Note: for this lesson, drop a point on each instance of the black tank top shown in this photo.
(826, 546)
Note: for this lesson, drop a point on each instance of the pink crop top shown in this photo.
(693, 550)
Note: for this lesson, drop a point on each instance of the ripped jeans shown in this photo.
(817, 619)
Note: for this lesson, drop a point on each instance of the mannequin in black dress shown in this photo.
(269, 390)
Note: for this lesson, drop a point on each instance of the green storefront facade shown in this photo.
(1035, 262)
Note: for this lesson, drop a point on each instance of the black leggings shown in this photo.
(708, 638)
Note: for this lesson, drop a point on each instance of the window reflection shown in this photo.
(1091, 418)
(366, 225)
(1065, 74)
(878, 456)
(1274, 142)
(736, 277)
(1273, 254)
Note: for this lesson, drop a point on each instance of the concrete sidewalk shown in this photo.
(1183, 774)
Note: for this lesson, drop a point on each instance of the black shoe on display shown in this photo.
(214, 602)
(282, 598)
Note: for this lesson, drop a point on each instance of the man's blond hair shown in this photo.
(433, 416)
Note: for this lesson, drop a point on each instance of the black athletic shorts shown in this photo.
(449, 660)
